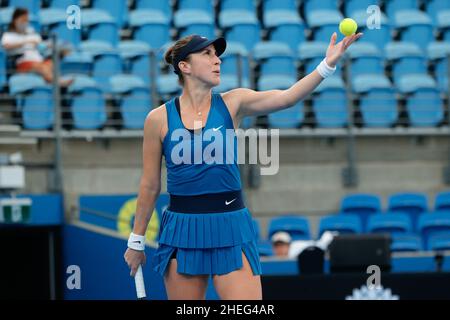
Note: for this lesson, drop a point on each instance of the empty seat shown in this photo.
(377, 35)
(145, 22)
(54, 20)
(443, 24)
(77, 62)
(394, 6)
(439, 242)
(163, 6)
(342, 223)
(362, 205)
(366, 58)
(324, 23)
(414, 26)
(167, 84)
(87, 104)
(136, 58)
(296, 226)
(117, 9)
(269, 5)
(63, 4)
(432, 225)
(330, 103)
(312, 5)
(402, 242)
(191, 21)
(389, 223)
(246, 5)
(407, 58)
(34, 99)
(433, 7)
(201, 5)
(285, 26)
(291, 117)
(413, 204)
(240, 26)
(425, 108)
(377, 100)
(350, 6)
(133, 99)
(442, 202)
(100, 25)
(438, 54)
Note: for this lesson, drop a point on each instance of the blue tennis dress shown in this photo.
(207, 242)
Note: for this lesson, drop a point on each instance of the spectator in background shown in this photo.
(22, 41)
(281, 242)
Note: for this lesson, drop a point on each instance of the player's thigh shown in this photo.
(182, 286)
(240, 284)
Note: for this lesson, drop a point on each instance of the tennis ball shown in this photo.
(348, 27)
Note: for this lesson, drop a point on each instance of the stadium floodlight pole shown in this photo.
(349, 174)
(153, 78)
(58, 183)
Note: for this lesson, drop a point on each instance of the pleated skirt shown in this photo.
(207, 243)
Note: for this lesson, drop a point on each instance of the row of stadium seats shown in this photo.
(407, 219)
(238, 21)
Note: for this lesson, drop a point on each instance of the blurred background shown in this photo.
(366, 155)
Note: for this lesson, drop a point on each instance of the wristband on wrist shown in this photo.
(136, 242)
(324, 69)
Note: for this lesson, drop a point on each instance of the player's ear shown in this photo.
(184, 66)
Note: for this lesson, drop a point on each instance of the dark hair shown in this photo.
(18, 12)
(174, 51)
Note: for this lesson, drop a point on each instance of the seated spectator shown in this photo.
(22, 41)
(281, 241)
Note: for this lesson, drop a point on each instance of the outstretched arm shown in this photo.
(252, 102)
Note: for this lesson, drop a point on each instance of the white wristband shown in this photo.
(324, 69)
(136, 242)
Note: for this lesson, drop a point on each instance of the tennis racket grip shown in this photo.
(140, 286)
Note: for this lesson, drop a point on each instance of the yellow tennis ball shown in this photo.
(348, 27)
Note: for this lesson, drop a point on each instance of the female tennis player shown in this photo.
(206, 230)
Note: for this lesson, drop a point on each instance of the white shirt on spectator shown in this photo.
(28, 51)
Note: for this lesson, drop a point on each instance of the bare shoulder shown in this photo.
(156, 122)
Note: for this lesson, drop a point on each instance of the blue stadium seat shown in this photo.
(167, 84)
(442, 201)
(136, 58)
(54, 20)
(414, 26)
(285, 26)
(296, 226)
(350, 6)
(257, 227)
(312, 5)
(100, 25)
(433, 7)
(145, 22)
(405, 243)
(438, 54)
(240, 26)
(63, 4)
(163, 6)
(378, 36)
(291, 117)
(117, 9)
(192, 21)
(377, 100)
(342, 223)
(362, 205)
(275, 58)
(433, 224)
(87, 104)
(34, 98)
(411, 203)
(269, 5)
(407, 58)
(311, 53)
(203, 5)
(392, 223)
(439, 242)
(425, 108)
(246, 5)
(393, 6)
(330, 103)
(324, 23)
(443, 24)
(133, 99)
(77, 62)
(366, 58)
